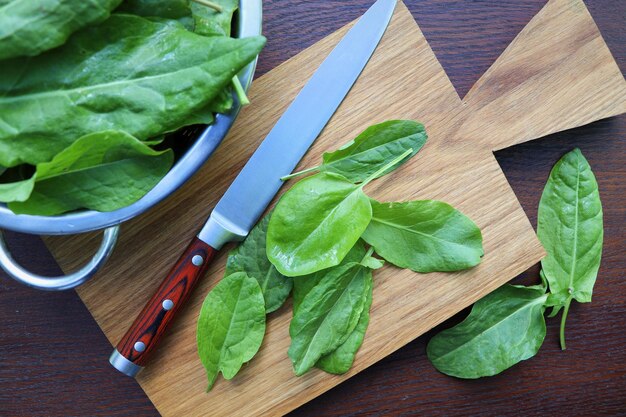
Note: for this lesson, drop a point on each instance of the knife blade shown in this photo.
(258, 182)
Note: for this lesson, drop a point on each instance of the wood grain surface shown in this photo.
(45, 352)
(556, 74)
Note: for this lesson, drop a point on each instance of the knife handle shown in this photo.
(132, 352)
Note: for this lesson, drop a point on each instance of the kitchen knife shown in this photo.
(259, 181)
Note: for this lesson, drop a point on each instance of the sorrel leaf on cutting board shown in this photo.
(144, 77)
(251, 257)
(424, 236)
(340, 360)
(231, 326)
(328, 314)
(372, 149)
(101, 171)
(303, 284)
(316, 223)
(504, 328)
(570, 227)
(29, 27)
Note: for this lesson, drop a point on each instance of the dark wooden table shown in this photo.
(53, 356)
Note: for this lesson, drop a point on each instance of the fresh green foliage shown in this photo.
(142, 71)
(570, 227)
(303, 284)
(136, 75)
(316, 223)
(424, 236)
(205, 17)
(508, 325)
(29, 27)
(101, 171)
(16, 191)
(313, 236)
(240, 92)
(328, 314)
(214, 16)
(231, 326)
(160, 9)
(167, 9)
(210, 22)
(504, 328)
(216, 20)
(373, 149)
(222, 103)
(372, 262)
(250, 257)
(341, 359)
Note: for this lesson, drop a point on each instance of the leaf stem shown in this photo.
(210, 4)
(563, 319)
(295, 174)
(369, 253)
(386, 167)
(364, 183)
(241, 93)
(554, 312)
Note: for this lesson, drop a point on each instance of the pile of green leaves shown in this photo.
(314, 244)
(86, 94)
(508, 325)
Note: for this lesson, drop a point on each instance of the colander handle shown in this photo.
(64, 282)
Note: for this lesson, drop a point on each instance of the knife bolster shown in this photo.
(123, 365)
(218, 231)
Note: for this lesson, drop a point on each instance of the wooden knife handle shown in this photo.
(133, 351)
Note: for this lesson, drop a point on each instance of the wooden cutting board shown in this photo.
(557, 74)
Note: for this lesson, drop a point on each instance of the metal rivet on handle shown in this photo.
(197, 260)
(167, 304)
(140, 346)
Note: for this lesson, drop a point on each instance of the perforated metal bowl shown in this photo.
(249, 20)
